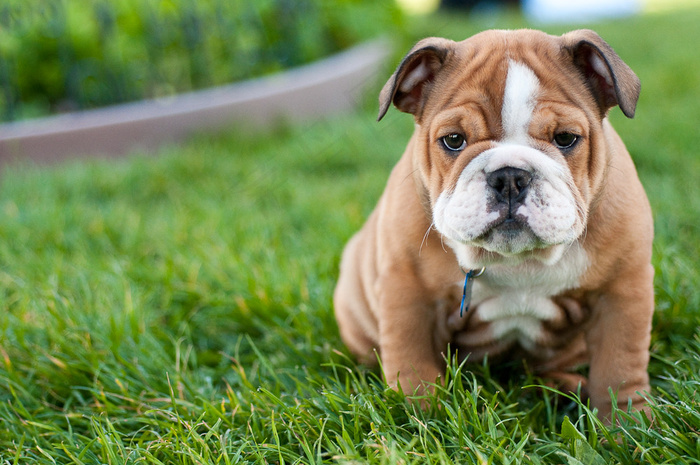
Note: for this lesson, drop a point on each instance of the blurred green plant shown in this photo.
(62, 55)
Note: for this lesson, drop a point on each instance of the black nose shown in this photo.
(509, 184)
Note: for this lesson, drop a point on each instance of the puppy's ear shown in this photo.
(406, 88)
(609, 78)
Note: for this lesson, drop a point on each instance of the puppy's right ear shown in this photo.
(406, 88)
(609, 78)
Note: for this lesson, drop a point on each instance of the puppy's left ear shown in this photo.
(610, 79)
(406, 88)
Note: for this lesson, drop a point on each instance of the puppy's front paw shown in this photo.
(632, 403)
(413, 382)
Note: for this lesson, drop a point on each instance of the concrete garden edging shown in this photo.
(329, 86)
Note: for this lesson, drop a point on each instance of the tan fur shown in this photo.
(400, 284)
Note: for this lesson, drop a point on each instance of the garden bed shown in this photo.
(330, 86)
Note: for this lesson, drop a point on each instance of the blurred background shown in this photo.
(65, 55)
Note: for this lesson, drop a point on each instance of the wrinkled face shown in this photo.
(509, 159)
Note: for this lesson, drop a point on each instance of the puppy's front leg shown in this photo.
(406, 325)
(618, 342)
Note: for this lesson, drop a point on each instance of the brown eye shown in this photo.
(565, 140)
(454, 142)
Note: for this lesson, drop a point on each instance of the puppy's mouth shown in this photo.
(508, 232)
(509, 229)
(510, 223)
(509, 235)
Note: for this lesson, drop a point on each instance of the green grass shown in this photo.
(177, 309)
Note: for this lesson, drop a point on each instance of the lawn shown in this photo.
(176, 308)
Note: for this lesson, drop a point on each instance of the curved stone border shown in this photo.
(329, 86)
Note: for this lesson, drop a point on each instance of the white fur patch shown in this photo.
(463, 216)
(524, 330)
(516, 299)
(532, 279)
(519, 100)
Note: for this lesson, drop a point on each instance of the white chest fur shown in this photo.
(515, 300)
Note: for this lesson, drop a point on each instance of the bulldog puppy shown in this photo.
(515, 175)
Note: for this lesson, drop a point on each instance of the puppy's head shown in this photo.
(509, 144)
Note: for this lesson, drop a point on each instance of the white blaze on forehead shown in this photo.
(519, 99)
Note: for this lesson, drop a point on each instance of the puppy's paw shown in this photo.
(412, 382)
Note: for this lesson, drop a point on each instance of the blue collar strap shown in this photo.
(467, 292)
